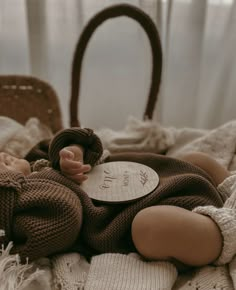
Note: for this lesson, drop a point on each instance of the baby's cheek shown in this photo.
(3, 166)
(23, 166)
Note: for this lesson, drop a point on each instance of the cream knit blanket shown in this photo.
(18, 139)
(115, 271)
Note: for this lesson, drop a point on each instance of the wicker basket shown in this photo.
(22, 97)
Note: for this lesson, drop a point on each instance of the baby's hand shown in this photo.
(71, 163)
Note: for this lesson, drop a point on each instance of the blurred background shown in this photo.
(38, 37)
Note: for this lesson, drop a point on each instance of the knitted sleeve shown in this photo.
(11, 179)
(11, 183)
(225, 218)
(85, 137)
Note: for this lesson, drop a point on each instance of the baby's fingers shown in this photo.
(78, 178)
(66, 154)
(68, 165)
(75, 167)
(86, 168)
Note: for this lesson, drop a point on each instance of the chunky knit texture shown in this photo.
(129, 272)
(46, 213)
(40, 212)
(106, 227)
(225, 218)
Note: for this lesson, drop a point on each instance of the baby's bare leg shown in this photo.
(208, 164)
(169, 232)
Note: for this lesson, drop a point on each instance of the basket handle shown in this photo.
(149, 27)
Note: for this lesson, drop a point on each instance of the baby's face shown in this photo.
(8, 162)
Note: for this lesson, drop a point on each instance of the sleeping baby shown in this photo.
(45, 211)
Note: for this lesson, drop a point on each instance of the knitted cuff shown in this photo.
(40, 165)
(11, 179)
(11, 183)
(127, 272)
(225, 218)
(226, 187)
(84, 137)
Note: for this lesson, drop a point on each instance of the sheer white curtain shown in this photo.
(199, 85)
(198, 37)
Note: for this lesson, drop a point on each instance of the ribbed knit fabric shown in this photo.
(46, 213)
(127, 272)
(84, 137)
(225, 218)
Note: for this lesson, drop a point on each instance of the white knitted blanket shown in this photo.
(127, 272)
